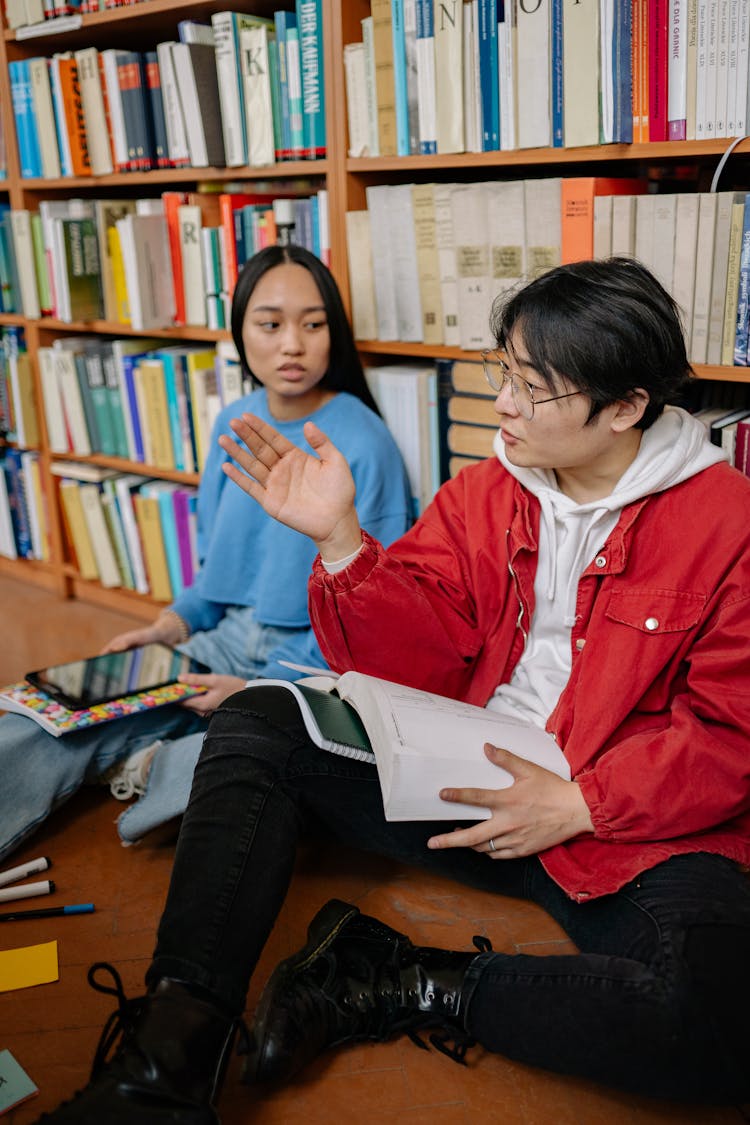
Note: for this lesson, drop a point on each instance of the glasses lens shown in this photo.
(494, 372)
(522, 397)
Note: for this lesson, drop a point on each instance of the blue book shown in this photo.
(622, 70)
(163, 491)
(557, 101)
(171, 376)
(19, 510)
(310, 28)
(129, 366)
(488, 75)
(426, 77)
(27, 133)
(743, 298)
(283, 21)
(399, 78)
(303, 235)
(9, 292)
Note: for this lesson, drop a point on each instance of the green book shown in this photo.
(331, 723)
(83, 269)
(40, 265)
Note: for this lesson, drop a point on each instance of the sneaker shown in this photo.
(128, 777)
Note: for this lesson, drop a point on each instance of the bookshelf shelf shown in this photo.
(297, 169)
(190, 332)
(594, 154)
(124, 466)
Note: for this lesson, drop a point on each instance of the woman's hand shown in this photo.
(219, 689)
(312, 494)
(166, 629)
(540, 809)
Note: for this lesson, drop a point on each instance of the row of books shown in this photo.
(24, 524)
(148, 263)
(32, 13)
(442, 76)
(426, 261)
(242, 90)
(469, 423)
(129, 531)
(19, 418)
(135, 399)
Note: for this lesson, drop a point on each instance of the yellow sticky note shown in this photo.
(33, 964)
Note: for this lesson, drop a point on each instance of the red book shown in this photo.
(172, 200)
(658, 70)
(742, 447)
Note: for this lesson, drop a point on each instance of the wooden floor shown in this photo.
(52, 1030)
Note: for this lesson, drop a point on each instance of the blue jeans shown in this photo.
(39, 772)
(656, 1001)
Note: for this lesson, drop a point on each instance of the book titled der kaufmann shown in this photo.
(420, 742)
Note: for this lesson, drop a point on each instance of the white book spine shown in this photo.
(580, 79)
(382, 262)
(677, 70)
(403, 250)
(190, 220)
(533, 73)
(132, 536)
(732, 62)
(174, 120)
(712, 49)
(702, 295)
(230, 94)
(449, 66)
(372, 99)
(66, 160)
(20, 222)
(256, 77)
(506, 81)
(686, 236)
(190, 102)
(470, 232)
(41, 92)
(356, 99)
(743, 63)
(97, 135)
(447, 258)
(116, 115)
(722, 69)
(426, 93)
(52, 402)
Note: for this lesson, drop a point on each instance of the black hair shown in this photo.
(345, 372)
(606, 327)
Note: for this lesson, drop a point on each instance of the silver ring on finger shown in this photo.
(492, 845)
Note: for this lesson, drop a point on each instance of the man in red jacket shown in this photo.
(592, 578)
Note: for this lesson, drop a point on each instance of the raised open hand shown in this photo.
(312, 493)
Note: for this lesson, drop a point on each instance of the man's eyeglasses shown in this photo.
(497, 373)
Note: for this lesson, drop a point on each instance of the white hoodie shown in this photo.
(673, 449)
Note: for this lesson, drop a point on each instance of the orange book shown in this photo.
(75, 123)
(172, 200)
(577, 194)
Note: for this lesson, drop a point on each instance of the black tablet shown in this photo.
(98, 679)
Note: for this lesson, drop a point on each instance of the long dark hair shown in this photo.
(345, 371)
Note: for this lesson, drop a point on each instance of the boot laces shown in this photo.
(120, 1024)
(453, 1042)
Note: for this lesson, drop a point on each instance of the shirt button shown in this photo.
(600, 561)
(651, 623)
(580, 643)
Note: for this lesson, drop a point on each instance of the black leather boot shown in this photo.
(356, 979)
(167, 1067)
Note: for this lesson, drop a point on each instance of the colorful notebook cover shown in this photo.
(23, 699)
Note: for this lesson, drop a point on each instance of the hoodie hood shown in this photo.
(673, 449)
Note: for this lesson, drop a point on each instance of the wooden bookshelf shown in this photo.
(344, 177)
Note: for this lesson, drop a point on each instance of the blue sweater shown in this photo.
(247, 558)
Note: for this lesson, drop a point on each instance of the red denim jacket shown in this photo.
(655, 718)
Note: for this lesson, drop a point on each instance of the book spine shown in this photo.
(310, 28)
(677, 71)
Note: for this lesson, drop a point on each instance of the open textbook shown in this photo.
(420, 742)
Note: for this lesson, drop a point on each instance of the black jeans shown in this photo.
(657, 1001)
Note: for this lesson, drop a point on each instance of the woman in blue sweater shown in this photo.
(247, 609)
